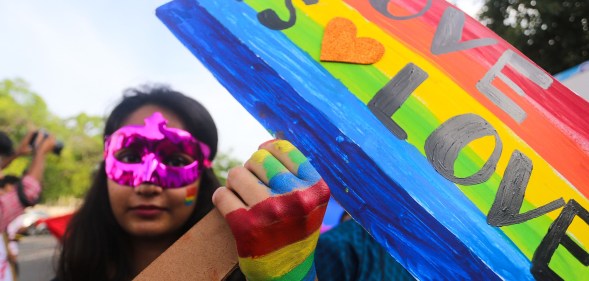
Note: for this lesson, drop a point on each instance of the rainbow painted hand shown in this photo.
(274, 206)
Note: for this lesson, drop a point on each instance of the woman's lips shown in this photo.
(147, 210)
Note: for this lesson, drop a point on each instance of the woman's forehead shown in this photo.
(138, 116)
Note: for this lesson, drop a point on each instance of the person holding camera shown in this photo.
(25, 191)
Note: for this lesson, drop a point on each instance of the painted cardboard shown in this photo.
(458, 154)
(195, 258)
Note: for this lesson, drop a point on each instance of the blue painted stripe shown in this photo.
(427, 246)
(307, 172)
(286, 182)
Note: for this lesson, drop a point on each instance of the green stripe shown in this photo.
(297, 157)
(299, 272)
(272, 166)
(364, 81)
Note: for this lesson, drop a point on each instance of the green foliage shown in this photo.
(71, 172)
(20, 108)
(552, 33)
(66, 175)
(223, 162)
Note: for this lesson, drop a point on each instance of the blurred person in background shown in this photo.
(6, 268)
(26, 190)
(11, 234)
(18, 193)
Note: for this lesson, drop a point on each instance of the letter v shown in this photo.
(449, 33)
(510, 195)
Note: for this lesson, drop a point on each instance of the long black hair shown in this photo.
(95, 247)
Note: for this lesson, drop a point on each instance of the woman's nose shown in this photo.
(148, 189)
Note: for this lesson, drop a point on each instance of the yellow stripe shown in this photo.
(445, 99)
(260, 155)
(280, 262)
(283, 146)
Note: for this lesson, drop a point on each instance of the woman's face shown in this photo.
(149, 211)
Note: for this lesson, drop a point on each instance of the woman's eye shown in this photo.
(128, 156)
(177, 160)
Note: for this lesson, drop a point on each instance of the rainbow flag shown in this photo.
(458, 154)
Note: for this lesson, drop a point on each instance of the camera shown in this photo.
(56, 148)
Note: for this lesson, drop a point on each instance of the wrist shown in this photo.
(260, 270)
(38, 154)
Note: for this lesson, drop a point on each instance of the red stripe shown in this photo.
(555, 117)
(191, 191)
(279, 221)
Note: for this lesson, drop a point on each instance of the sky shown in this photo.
(80, 55)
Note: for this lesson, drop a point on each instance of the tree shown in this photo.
(82, 138)
(552, 33)
(67, 174)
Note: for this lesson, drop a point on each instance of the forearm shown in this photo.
(7, 160)
(37, 166)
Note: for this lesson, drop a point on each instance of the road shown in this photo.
(36, 258)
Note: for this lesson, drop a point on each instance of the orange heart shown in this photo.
(340, 44)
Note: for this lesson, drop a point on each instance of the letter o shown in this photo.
(445, 143)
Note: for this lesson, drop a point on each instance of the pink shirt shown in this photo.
(10, 205)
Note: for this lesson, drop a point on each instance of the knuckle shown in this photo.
(257, 157)
(235, 176)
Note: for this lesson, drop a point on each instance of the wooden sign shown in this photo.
(457, 153)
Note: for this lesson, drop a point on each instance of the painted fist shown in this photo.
(274, 206)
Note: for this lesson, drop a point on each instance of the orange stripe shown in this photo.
(554, 145)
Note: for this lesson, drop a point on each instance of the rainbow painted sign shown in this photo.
(459, 155)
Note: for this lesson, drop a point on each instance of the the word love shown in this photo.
(445, 143)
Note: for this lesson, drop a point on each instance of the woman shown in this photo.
(156, 182)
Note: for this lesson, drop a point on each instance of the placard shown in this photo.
(457, 153)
